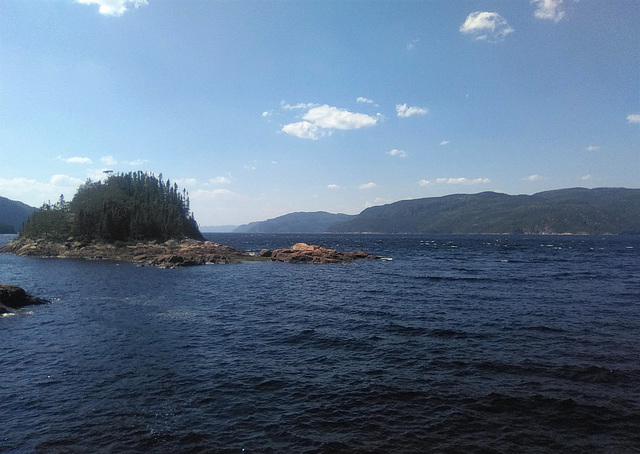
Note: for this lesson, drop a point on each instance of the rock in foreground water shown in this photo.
(13, 297)
(309, 253)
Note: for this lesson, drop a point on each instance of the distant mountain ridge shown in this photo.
(299, 222)
(14, 213)
(575, 210)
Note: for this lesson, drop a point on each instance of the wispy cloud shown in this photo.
(186, 182)
(76, 160)
(363, 100)
(377, 201)
(35, 193)
(444, 142)
(633, 118)
(593, 148)
(333, 187)
(534, 177)
(300, 106)
(405, 112)
(370, 185)
(586, 177)
(398, 153)
(65, 180)
(220, 180)
(136, 162)
(486, 26)
(108, 160)
(412, 44)
(321, 121)
(113, 7)
(215, 194)
(548, 9)
(459, 180)
(462, 180)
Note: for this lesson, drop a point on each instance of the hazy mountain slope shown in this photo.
(300, 222)
(577, 210)
(14, 213)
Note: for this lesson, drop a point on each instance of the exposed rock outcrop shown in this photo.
(176, 254)
(307, 253)
(13, 297)
(171, 254)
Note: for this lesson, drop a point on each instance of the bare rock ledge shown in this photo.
(176, 254)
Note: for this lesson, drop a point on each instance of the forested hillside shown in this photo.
(301, 222)
(126, 207)
(13, 214)
(577, 210)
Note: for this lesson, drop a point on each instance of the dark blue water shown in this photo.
(459, 344)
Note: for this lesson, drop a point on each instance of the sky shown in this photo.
(263, 108)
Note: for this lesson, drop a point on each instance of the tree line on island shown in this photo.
(134, 206)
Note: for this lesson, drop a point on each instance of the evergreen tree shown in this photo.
(134, 206)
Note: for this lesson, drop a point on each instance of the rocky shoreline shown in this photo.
(176, 254)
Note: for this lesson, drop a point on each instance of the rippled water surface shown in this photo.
(458, 344)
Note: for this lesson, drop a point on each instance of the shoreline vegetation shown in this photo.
(137, 217)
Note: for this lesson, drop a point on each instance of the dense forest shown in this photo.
(134, 206)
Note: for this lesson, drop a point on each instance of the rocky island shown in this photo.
(139, 218)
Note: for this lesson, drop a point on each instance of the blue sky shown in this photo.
(261, 108)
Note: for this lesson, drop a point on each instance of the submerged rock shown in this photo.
(13, 297)
(309, 253)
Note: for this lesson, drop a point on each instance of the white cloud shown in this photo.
(404, 111)
(424, 183)
(333, 186)
(444, 142)
(370, 185)
(534, 178)
(398, 153)
(214, 194)
(76, 160)
(585, 177)
(486, 26)
(35, 193)
(593, 148)
(186, 182)
(320, 121)
(267, 114)
(363, 100)
(333, 118)
(299, 106)
(113, 7)
(548, 9)
(633, 118)
(377, 201)
(108, 160)
(136, 162)
(220, 180)
(65, 180)
(462, 180)
(304, 130)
